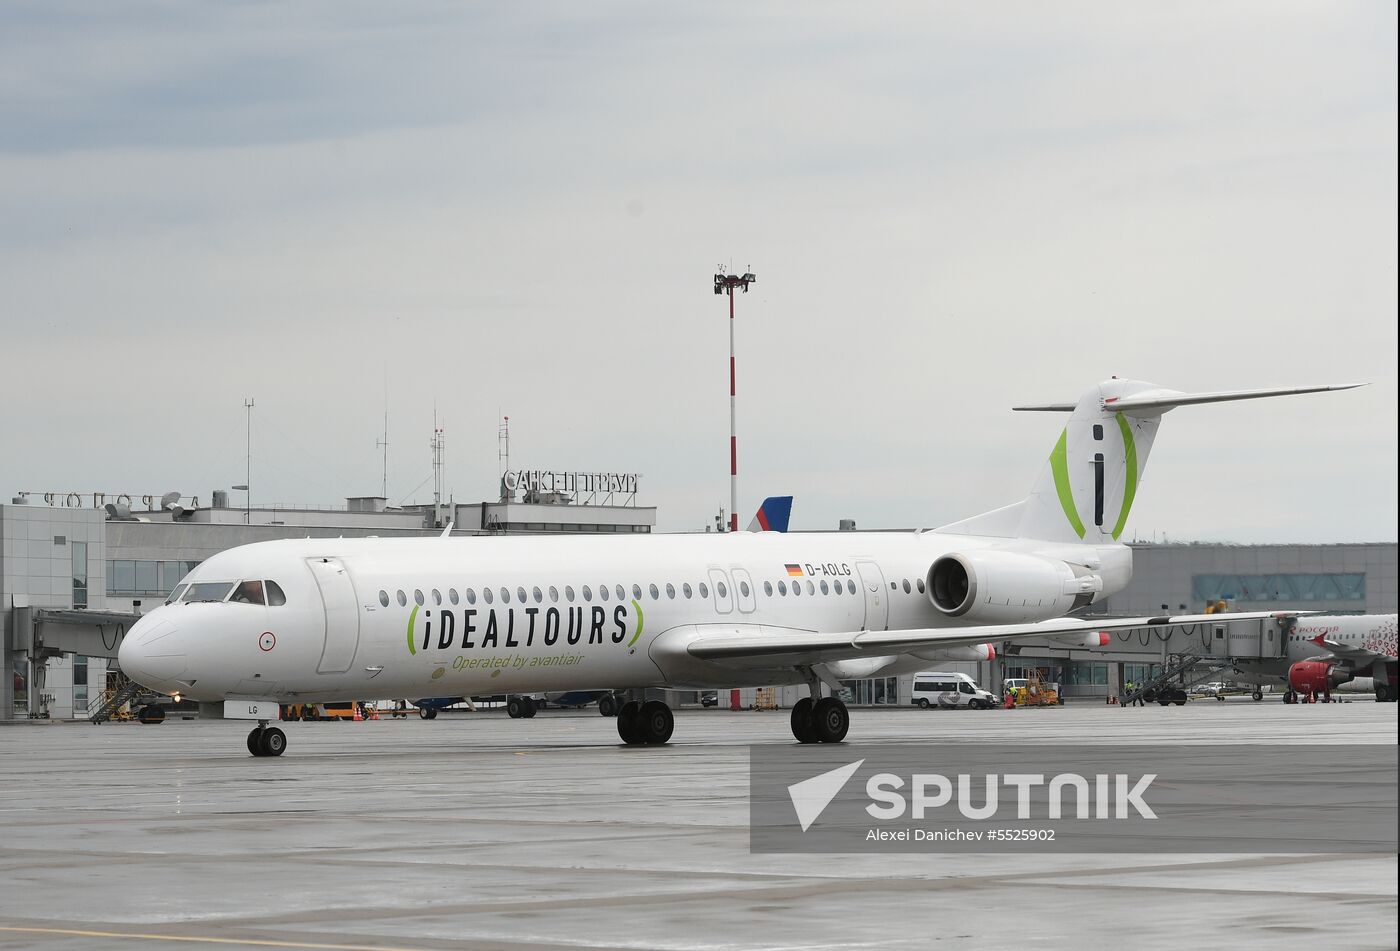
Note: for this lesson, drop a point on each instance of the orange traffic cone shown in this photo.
(358, 717)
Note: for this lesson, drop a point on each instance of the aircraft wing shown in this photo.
(1359, 656)
(755, 646)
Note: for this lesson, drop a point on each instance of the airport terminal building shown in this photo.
(75, 571)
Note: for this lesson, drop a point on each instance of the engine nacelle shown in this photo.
(1008, 587)
(1317, 676)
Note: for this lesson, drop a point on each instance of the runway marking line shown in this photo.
(247, 942)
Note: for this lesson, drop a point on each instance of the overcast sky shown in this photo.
(517, 209)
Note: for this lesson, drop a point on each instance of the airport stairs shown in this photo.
(1187, 666)
(113, 700)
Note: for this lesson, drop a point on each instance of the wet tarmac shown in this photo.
(477, 831)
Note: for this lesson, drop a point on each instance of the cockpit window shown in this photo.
(175, 595)
(248, 592)
(208, 591)
(275, 597)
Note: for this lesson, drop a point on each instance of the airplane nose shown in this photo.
(150, 653)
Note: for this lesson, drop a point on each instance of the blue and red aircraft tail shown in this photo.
(772, 515)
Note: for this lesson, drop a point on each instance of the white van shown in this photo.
(934, 688)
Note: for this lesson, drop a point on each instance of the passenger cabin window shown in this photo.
(811, 588)
(602, 592)
(826, 589)
(685, 589)
(906, 585)
(850, 586)
(622, 593)
(637, 591)
(471, 596)
(539, 595)
(670, 590)
(782, 587)
(452, 595)
(486, 593)
(384, 598)
(437, 596)
(275, 597)
(403, 598)
(418, 597)
(768, 588)
(520, 594)
(587, 593)
(704, 591)
(656, 594)
(553, 593)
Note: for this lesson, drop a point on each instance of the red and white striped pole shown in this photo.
(733, 430)
(725, 284)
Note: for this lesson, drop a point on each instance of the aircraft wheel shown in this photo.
(273, 742)
(607, 705)
(627, 727)
(515, 708)
(1257, 695)
(427, 713)
(1290, 697)
(803, 727)
(530, 707)
(255, 742)
(830, 720)
(1382, 693)
(655, 722)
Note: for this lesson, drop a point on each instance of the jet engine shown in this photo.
(1008, 587)
(1317, 676)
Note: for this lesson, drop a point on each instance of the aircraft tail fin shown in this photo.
(772, 515)
(1086, 490)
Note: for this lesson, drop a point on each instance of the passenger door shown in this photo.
(744, 592)
(872, 583)
(719, 590)
(342, 615)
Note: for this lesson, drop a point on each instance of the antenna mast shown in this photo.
(439, 445)
(503, 445)
(383, 443)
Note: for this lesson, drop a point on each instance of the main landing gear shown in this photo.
(645, 724)
(818, 719)
(266, 740)
(521, 708)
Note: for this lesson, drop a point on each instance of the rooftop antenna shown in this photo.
(383, 443)
(248, 465)
(439, 446)
(503, 445)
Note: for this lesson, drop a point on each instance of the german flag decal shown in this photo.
(794, 571)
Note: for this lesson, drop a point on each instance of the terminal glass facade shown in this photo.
(151, 578)
(1280, 587)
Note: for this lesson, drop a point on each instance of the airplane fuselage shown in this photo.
(367, 618)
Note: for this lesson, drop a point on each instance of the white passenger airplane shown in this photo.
(337, 619)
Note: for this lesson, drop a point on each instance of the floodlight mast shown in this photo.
(725, 284)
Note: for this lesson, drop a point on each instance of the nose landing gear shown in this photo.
(266, 740)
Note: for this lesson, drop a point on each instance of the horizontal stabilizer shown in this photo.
(1157, 402)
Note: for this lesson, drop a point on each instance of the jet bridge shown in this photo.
(38, 634)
